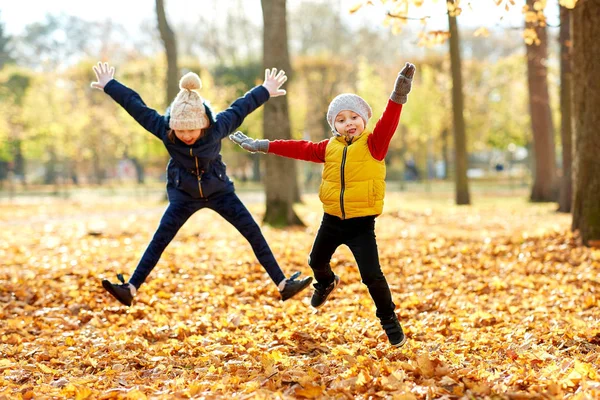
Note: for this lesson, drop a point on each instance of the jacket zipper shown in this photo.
(343, 182)
(199, 174)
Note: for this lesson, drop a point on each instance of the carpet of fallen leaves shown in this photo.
(498, 300)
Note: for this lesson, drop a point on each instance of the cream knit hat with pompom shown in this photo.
(187, 110)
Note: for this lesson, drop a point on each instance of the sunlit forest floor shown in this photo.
(498, 300)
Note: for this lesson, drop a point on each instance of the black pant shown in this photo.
(359, 235)
(230, 207)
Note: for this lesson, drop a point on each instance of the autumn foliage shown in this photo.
(498, 301)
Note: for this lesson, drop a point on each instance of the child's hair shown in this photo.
(171, 135)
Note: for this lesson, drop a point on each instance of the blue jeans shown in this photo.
(359, 235)
(230, 207)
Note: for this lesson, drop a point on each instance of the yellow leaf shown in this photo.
(309, 391)
(5, 362)
(539, 5)
(356, 7)
(136, 395)
(405, 396)
(45, 369)
(91, 362)
(83, 393)
(568, 3)
(425, 365)
(481, 32)
(363, 379)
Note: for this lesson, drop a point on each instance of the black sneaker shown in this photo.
(394, 331)
(120, 292)
(293, 286)
(322, 292)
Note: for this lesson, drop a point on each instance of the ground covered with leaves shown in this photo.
(498, 300)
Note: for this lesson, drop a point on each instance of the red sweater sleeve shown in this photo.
(300, 149)
(385, 128)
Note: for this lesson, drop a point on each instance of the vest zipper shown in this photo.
(343, 182)
(199, 174)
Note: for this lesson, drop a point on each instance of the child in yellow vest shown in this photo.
(352, 191)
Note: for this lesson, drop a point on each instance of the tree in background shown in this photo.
(5, 50)
(544, 175)
(170, 44)
(462, 196)
(281, 183)
(586, 120)
(398, 15)
(14, 85)
(56, 42)
(566, 131)
(323, 78)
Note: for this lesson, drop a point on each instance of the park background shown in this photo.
(497, 290)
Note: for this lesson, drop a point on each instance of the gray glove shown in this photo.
(403, 84)
(249, 144)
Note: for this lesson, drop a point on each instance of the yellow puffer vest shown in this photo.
(353, 182)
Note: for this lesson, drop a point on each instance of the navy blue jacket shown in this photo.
(194, 171)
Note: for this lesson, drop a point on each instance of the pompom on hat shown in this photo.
(348, 101)
(187, 110)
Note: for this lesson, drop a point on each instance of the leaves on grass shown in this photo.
(497, 300)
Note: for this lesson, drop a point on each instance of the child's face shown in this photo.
(349, 123)
(188, 136)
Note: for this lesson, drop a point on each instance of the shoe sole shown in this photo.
(337, 283)
(109, 288)
(308, 282)
(401, 343)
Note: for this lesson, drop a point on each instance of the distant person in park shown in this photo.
(196, 176)
(352, 191)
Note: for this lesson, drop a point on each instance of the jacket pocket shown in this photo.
(220, 171)
(174, 178)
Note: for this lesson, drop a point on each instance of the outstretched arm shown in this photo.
(296, 149)
(147, 117)
(385, 128)
(230, 119)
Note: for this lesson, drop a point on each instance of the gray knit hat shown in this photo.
(348, 101)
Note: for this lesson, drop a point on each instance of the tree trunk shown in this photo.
(281, 178)
(460, 136)
(19, 161)
(168, 38)
(586, 113)
(51, 174)
(445, 156)
(544, 183)
(566, 131)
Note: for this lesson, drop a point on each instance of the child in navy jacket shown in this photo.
(196, 176)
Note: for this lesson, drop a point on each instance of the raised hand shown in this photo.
(273, 82)
(249, 144)
(104, 74)
(403, 84)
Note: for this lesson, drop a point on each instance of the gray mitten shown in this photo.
(249, 144)
(403, 84)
